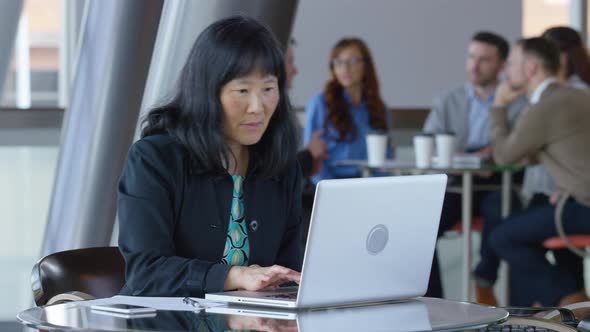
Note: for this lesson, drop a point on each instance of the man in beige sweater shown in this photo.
(553, 131)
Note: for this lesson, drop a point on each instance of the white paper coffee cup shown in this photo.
(445, 148)
(423, 150)
(376, 149)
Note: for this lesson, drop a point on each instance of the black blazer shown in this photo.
(173, 221)
(305, 160)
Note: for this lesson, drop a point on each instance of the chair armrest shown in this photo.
(69, 297)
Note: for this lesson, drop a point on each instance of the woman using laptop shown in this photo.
(209, 198)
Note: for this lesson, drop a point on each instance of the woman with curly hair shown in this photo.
(349, 108)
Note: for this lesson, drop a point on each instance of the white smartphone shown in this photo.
(126, 309)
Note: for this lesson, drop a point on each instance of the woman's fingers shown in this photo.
(281, 278)
(278, 270)
(273, 276)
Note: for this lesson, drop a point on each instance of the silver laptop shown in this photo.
(370, 240)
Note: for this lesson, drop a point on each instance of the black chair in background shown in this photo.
(80, 274)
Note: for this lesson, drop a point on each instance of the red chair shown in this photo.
(556, 242)
(476, 226)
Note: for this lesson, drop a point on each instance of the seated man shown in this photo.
(465, 112)
(555, 131)
(538, 185)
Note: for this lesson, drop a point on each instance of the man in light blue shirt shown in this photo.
(464, 112)
(478, 136)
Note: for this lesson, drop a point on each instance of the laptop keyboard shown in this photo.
(284, 296)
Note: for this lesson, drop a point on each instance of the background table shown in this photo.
(395, 167)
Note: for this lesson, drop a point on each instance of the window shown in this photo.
(538, 15)
(32, 79)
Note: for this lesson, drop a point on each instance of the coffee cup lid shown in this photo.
(377, 132)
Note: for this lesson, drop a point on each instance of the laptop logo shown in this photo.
(377, 239)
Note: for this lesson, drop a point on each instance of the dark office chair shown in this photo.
(78, 275)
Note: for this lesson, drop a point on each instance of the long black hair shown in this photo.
(227, 49)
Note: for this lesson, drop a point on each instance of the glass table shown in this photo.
(420, 314)
(396, 167)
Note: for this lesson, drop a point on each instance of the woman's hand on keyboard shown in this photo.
(255, 277)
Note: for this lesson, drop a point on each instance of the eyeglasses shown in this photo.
(346, 62)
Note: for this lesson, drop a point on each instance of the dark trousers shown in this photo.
(491, 211)
(451, 214)
(519, 241)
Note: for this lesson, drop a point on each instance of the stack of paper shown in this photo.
(467, 161)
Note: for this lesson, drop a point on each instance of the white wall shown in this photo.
(419, 46)
(26, 183)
